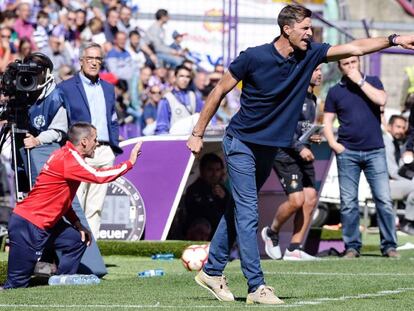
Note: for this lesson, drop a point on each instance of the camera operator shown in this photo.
(47, 118)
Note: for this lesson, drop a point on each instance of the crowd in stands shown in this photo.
(156, 82)
(140, 62)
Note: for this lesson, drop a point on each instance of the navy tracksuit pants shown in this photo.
(27, 243)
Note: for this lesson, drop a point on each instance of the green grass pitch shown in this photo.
(368, 283)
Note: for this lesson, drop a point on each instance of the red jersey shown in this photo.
(56, 186)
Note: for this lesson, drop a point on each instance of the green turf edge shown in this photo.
(3, 271)
(144, 248)
(136, 248)
(324, 234)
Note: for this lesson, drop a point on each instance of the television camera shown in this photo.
(21, 85)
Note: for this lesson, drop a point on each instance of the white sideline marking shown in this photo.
(339, 274)
(316, 301)
(319, 273)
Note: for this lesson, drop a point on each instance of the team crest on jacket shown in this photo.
(39, 121)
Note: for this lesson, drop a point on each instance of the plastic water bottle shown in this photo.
(151, 273)
(167, 256)
(74, 279)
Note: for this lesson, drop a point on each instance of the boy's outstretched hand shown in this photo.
(135, 152)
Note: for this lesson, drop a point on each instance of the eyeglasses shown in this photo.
(4, 36)
(90, 59)
(156, 92)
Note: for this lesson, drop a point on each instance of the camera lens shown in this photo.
(26, 82)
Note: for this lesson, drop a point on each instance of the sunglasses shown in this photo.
(152, 92)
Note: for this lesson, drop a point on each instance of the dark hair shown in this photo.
(78, 131)
(42, 14)
(8, 14)
(110, 10)
(339, 60)
(81, 11)
(23, 41)
(134, 32)
(395, 117)
(291, 14)
(122, 84)
(181, 67)
(210, 158)
(160, 14)
(120, 33)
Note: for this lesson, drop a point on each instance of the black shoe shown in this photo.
(44, 269)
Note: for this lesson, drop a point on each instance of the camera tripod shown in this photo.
(10, 131)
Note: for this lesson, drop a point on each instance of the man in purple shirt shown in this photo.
(178, 104)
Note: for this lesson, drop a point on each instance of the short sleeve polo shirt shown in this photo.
(359, 117)
(273, 92)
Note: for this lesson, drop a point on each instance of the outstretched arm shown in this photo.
(77, 169)
(365, 46)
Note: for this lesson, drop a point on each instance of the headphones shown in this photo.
(47, 60)
(49, 67)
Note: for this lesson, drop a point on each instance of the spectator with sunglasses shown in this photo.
(149, 115)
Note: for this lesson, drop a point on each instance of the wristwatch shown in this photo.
(361, 82)
(392, 38)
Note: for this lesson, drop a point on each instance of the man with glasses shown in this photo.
(91, 99)
(149, 114)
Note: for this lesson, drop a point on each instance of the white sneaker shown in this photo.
(217, 285)
(264, 295)
(298, 254)
(272, 246)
